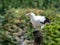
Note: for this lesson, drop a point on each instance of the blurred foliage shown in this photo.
(41, 4)
(13, 20)
(9, 30)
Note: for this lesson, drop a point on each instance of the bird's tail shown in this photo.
(47, 20)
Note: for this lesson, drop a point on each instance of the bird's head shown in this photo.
(30, 14)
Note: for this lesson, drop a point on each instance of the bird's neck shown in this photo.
(32, 17)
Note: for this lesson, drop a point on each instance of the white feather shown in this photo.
(35, 20)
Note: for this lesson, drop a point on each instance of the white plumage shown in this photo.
(36, 20)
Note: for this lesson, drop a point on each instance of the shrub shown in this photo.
(17, 16)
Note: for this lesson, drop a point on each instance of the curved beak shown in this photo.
(27, 14)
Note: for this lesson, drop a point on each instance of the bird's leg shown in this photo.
(35, 28)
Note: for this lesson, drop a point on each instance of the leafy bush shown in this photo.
(17, 16)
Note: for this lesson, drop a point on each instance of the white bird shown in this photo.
(37, 20)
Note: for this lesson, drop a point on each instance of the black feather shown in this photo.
(46, 21)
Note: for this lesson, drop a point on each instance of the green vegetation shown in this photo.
(13, 12)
